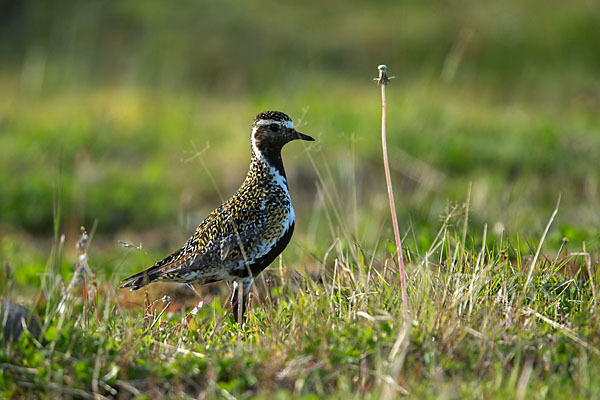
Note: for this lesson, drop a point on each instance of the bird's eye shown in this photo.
(274, 127)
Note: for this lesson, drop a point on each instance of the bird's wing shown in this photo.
(227, 239)
(240, 238)
(194, 254)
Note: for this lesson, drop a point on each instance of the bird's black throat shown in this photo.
(272, 156)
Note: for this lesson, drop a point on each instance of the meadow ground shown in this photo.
(133, 121)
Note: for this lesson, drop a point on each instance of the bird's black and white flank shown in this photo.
(246, 233)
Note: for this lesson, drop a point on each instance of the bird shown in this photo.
(240, 238)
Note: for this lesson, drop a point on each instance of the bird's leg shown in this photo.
(234, 301)
(243, 286)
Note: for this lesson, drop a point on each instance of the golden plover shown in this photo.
(247, 232)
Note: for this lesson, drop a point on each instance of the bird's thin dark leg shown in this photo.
(244, 287)
(235, 304)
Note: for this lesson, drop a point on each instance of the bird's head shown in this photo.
(273, 129)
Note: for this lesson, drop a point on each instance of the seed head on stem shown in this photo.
(382, 81)
(383, 78)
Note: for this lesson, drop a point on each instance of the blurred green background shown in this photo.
(137, 114)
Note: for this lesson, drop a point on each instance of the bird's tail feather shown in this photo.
(141, 279)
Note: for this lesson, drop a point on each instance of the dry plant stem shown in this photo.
(588, 265)
(539, 248)
(383, 81)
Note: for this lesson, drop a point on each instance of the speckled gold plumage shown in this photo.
(245, 234)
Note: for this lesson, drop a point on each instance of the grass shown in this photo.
(119, 117)
(329, 326)
(489, 317)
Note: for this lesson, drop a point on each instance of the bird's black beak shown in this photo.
(302, 136)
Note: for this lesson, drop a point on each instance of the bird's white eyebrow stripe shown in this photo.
(263, 122)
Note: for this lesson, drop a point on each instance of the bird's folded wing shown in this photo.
(240, 241)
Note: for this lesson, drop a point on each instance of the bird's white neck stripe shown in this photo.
(263, 122)
(255, 149)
